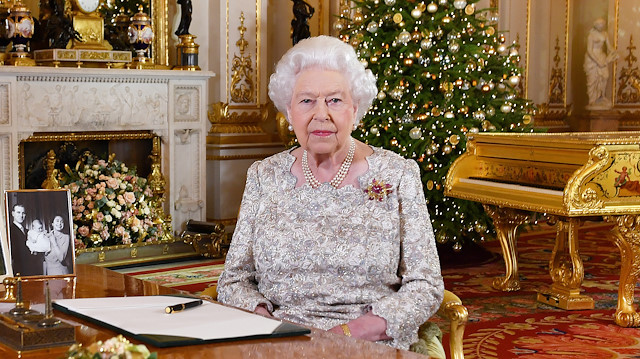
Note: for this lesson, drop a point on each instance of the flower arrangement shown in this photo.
(111, 204)
(114, 348)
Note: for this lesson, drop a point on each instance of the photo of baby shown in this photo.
(37, 238)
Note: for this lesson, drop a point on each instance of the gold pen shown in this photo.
(180, 307)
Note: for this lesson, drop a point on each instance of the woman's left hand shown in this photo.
(369, 327)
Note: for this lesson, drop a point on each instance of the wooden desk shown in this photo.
(92, 281)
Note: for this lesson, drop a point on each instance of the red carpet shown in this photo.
(513, 325)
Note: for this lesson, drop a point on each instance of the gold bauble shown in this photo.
(526, 119)
(454, 139)
(397, 18)
(358, 17)
(408, 62)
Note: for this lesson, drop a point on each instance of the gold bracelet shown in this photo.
(345, 329)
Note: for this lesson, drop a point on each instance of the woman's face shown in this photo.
(322, 111)
(58, 223)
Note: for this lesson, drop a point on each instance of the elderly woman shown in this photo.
(333, 234)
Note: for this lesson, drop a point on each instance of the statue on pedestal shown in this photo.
(597, 58)
(186, 9)
(302, 12)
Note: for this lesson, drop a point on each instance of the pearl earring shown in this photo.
(355, 126)
(290, 128)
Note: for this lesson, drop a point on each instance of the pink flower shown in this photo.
(129, 197)
(105, 234)
(100, 216)
(97, 226)
(120, 231)
(113, 183)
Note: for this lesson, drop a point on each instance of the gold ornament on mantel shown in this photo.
(21, 28)
(88, 22)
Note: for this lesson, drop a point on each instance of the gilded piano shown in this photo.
(570, 177)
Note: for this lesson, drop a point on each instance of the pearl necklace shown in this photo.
(339, 177)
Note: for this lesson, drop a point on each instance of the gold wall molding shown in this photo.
(242, 87)
(629, 80)
(557, 81)
(225, 121)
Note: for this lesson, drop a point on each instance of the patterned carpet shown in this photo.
(514, 325)
(503, 325)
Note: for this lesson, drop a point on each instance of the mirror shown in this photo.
(159, 20)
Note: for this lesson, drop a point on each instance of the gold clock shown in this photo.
(88, 22)
(87, 6)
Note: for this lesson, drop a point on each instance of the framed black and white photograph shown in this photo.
(40, 233)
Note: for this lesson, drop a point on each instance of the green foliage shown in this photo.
(443, 72)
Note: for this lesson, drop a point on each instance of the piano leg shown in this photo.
(506, 221)
(566, 269)
(627, 238)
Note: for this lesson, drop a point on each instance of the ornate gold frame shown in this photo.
(72, 136)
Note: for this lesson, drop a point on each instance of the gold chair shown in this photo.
(451, 309)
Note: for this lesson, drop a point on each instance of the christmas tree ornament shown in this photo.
(374, 130)
(432, 7)
(426, 44)
(404, 37)
(416, 13)
(372, 27)
(441, 237)
(454, 139)
(394, 142)
(446, 149)
(454, 46)
(469, 9)
(502, 87)
(415, 133)
(491, 111)
(514, 80)
(407, 118)
(416, 36)
(390, 2)
(459, 4)
(443, 2)
(526, 119)
(397, 18)
(457, 247)
(338, 25)
(506, 107)
(502, 49)
(358, 17)
(381, 95)
(449, 115)
(446, 20)
(513, 52)
(474, 130)
(479, 115)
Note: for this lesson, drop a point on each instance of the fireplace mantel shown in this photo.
(171, 104)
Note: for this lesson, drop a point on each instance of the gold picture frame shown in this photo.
(159, 22)
(40, 235)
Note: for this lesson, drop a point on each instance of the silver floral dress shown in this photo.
(321, 257)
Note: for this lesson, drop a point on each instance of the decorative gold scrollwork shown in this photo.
(629, 80)
(626, 234)
(506, 221)
(242, 86)
(556, 83)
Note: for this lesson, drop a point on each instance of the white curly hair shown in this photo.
(329, 53)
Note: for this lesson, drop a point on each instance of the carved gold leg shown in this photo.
(566, 269)
(506, 221)
(627, 238)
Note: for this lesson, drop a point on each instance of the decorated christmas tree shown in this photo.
(444, 72)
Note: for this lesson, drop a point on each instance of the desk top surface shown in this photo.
(92, 281)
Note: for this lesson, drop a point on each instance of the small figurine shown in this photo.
(302, 12)
(185, 17)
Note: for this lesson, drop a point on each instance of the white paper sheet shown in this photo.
(146, 315)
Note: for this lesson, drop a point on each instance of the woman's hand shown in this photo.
(369, 327)
(262, 310)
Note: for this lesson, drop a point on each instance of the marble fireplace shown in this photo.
(168, 104)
